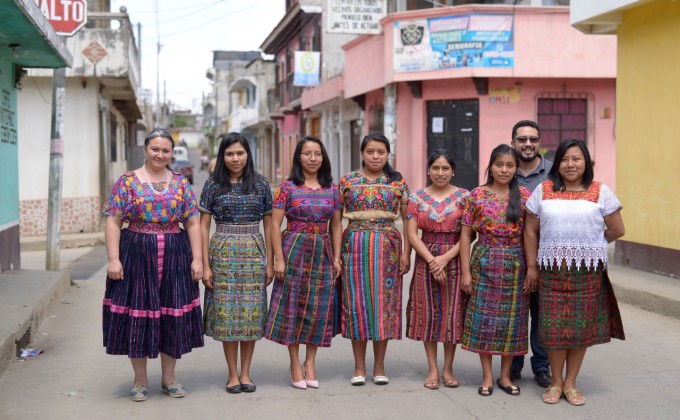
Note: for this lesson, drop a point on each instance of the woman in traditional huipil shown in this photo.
(152, 302)
(373, 197)
(303, 301)
(436, 305)
(498, 308)
(575, 217)
(238, 260)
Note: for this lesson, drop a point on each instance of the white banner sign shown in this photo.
(306, 68)
(355, 16)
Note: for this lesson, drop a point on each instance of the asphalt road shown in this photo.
(74, 378)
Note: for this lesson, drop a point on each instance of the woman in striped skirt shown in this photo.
(303, 301)
(238, 260)
(373, 197)
(575, 218)
(498, 308)
(152, 303)
(436, 304)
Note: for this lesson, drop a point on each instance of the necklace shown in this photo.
(157, 187)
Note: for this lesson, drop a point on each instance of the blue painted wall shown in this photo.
(9, 149)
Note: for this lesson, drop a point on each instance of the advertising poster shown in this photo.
(306, 68)
(477, 40)
(355, 16)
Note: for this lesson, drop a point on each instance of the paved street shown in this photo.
(74, 378)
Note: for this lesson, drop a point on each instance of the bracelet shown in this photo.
(337, 260)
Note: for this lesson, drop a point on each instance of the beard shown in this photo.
(527, 158)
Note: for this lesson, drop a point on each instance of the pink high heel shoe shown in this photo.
(312, 383)
(299, 384)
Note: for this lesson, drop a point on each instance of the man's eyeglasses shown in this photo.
(522, 140)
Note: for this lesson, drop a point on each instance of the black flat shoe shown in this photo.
(248, 387)
(485, 391)
(510, 390)
(234, 389)
(543, 379)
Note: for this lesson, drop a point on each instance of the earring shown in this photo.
(428, 174)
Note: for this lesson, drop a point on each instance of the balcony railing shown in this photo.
(105, 48)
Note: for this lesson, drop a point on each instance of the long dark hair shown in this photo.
(554, 174)
(391, 174)
(514, 210)
(436, 155)
(222, 176)
(324, 175)
(160, 132)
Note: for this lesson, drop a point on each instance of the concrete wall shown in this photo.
(496, 119)
(81, 166)
(648, 124)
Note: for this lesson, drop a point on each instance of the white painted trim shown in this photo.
(9, 225)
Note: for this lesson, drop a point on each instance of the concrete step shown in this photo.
(26, 297)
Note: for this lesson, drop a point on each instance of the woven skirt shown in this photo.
(236, 307)
(497, 311)
(577, 308)
(303, 304)
(371, 283)
(156, 307)
(436, 311)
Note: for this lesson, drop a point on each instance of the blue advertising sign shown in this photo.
(476, 40)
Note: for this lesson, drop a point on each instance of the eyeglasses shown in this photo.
(522, 140)
(308, 155)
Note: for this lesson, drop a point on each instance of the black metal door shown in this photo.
(454, 126)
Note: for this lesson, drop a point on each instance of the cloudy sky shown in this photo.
(189, 32)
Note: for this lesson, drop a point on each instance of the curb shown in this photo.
(26, 298)
(39, 243)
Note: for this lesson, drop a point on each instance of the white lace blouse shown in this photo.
(572, 224)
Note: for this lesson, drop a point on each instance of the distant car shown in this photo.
(185, 168)
(180, 153)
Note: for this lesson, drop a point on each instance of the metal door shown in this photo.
(454, 125)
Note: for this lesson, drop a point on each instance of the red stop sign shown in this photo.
(65, 16)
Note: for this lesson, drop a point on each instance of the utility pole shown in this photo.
(52, 260)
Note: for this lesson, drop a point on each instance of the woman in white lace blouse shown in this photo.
(575, 217)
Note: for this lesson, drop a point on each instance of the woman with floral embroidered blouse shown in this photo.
(436, 304)
(373, 197)
(493, 273)
(576, 217)
(152, 303)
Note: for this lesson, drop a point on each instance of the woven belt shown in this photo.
(310, 227)
(369, 225)
(501, 242)
(155, 228)
(238, 229)
(433, 237)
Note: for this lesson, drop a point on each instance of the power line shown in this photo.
(203, 23)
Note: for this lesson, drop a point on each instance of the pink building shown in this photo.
(460, 77)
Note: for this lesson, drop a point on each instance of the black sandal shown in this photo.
(485, 391)
(510, 390)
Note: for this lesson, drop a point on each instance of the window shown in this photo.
(562, 118)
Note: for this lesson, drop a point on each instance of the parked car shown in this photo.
(185, 168)
(180, 153)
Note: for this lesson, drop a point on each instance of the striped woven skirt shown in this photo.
(156, 307)
(236, 307)
(303, 305)
(578, 308)
(498, 310)
(436, 311)
(371, 283)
